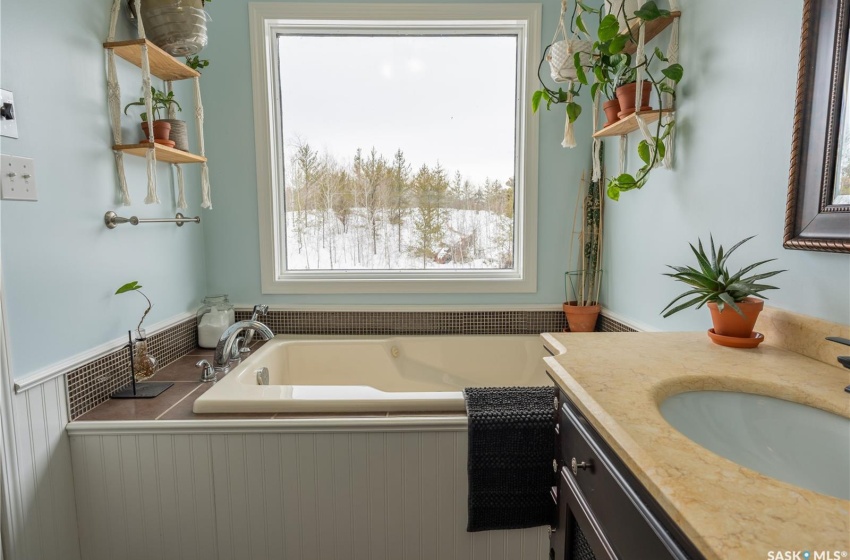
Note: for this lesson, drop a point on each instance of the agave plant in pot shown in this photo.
(733, 299)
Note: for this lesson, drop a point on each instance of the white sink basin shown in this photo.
(792, 442)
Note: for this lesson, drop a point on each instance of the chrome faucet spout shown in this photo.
(224, 348)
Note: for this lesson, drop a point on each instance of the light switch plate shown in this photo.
(9, 118)
(17, 178)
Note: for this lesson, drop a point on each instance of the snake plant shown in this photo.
(713, 283)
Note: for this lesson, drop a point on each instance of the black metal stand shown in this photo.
(147, 390)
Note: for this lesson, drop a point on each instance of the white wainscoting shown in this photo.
(42, 493)
(295, 496)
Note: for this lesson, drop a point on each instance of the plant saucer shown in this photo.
(751, 341)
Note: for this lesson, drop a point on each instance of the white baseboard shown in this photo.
(638, 326)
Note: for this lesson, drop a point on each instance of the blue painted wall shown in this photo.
(61, 266)
(731, 173)
(232, 237)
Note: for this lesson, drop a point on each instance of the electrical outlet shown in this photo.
(8, 114)
(17, 178)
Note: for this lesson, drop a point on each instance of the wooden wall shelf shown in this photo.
(653, 28)
(630, 124)
(163, 153)
(163, 65)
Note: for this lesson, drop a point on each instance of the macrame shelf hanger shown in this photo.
(667, 101)
(150, 152)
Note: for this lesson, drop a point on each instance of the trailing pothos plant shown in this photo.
(608, 68)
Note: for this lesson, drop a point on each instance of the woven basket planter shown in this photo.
(179, 27)
(179, 134)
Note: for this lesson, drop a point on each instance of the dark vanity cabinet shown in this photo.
(603, 511)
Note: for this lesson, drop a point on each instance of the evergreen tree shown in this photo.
(429, 189)
(399, 186)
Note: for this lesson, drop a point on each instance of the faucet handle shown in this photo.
(208, 373)
(839, 340)
(261, 309)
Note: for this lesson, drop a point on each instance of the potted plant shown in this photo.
(733, 299)
(627, 93)
(160, 101)
(179, 27)
(582, 286)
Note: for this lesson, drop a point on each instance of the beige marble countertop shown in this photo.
(617, 381)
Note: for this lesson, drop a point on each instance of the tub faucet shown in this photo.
(843, 360)
(224, 349)
(249, 334)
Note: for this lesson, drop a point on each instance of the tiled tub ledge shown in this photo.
(172, 410)
(90, 385)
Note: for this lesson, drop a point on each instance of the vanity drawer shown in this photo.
(611, 496)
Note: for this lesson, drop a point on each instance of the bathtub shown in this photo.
(348, 374)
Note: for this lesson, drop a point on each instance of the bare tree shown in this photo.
(375, 173)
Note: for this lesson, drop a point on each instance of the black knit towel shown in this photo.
(511, 447)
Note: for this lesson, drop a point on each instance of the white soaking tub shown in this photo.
(374, 374)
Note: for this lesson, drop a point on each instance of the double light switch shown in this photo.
(17, 178)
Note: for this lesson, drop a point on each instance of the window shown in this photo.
(396, 150)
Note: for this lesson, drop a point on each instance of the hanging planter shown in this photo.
(179, 27)
(561, 58)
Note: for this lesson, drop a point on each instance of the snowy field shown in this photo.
(469, 239)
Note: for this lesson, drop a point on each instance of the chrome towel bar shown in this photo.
(111, 219)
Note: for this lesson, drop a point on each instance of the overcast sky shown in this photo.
(446, 99)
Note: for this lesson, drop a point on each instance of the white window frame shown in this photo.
(267, 19)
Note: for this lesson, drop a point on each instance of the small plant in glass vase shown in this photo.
(160, 104)
(611, 72)
(144, 364)
(733, 299)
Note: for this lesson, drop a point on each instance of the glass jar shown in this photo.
(144, 364)
(214, 316)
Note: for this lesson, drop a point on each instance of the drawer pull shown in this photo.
(554, 465)
(575, 465)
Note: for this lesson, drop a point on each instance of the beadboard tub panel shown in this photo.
(299, 496)
(42, 510)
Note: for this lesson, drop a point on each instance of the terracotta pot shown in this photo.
(161, 130)
(581, 318)
(730, 323)
(611, 109)
(626, 97)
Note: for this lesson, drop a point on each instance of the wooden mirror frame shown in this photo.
(812, 222)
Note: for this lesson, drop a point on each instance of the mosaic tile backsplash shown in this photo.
(91, 384)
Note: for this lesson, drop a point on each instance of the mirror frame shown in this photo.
(812, 222)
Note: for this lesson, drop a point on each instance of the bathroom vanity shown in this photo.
(596, 494)
(637, 488)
